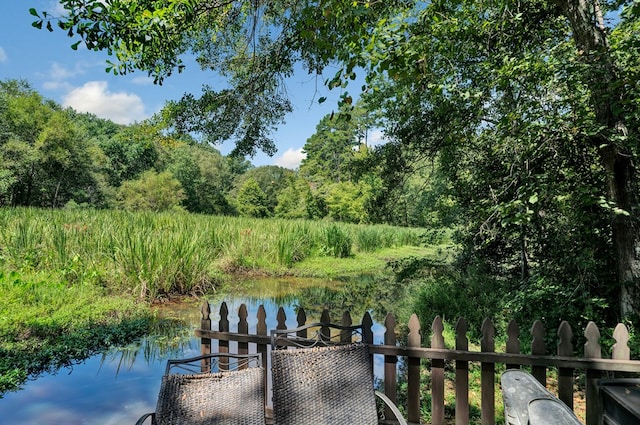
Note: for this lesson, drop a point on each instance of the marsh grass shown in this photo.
(155, 255)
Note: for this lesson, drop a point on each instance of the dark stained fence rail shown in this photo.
(592, 365)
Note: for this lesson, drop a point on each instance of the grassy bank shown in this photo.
(46, 324)
(155, 255)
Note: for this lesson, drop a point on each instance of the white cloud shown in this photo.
(375, 137)
(57, 85)
(142, 80)
(57, 9)
(291, 158)
(3, 56)
(94, 97)
(58, 73)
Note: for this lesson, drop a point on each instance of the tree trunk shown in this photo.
(591, 43)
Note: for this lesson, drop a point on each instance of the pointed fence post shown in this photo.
(346, 336)
(513, 341)
(205, 343)
(437, 374)
(367, 325)
(325, 332)
(367, 334)
(390, 362)
(223, 326)
(592, 350)
(565, 375)
(243, 328)
(538, 348)
(620, 350)
(261, 329)
(281, 319)
(413, 366)
(301, 319)
(462, 374)
(488, 374)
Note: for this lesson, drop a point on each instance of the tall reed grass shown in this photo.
(154, 255)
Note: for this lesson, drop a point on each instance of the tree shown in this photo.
(347, 201)
(251, 200)
(330, 151)
(496, 94)
(44, 158)
(293, 199)
(151, 192)
(130, 152)
(614, 134)
(271, 180)
(458, 75)
(204, 175)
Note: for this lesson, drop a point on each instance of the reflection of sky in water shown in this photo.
(117, 388)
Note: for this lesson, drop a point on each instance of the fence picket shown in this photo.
(413, 372)
(390, 362)
(367, 325)
(620, 350)
(281, 318)
(538, 348)
(462, 374)
(437, 374)
(243, 328)
(345, 335)
(223, 326)
(205, 343)
(301, 320)
(488, 374)
(565, 375)
(261, 329)
(592, 350)
(513, 341)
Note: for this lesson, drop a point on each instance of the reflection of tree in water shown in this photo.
(374, 293)
(170, 338)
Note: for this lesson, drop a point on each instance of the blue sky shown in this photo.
(78, 79)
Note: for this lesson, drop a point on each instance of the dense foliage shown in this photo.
(523, 114)
(94, 163)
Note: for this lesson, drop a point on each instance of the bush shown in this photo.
(151, 192)
(453, 295)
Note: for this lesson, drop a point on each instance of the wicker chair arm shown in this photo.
(144, 418)
(393, 407)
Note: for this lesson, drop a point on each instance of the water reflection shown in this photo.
(119, 386)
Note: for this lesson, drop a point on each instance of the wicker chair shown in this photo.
(326, 379)
(230, 391)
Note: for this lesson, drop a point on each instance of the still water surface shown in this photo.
(119, 386)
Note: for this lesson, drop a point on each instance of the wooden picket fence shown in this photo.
(592, 366)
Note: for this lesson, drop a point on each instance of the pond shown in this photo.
(119, 386)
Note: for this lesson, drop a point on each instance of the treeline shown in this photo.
(58, 158)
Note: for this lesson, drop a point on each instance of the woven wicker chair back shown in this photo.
(224, 398)
(323, 386)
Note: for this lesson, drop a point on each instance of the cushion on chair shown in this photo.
(229, 398)
(324, 385)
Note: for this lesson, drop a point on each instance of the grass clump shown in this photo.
(337, 242)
